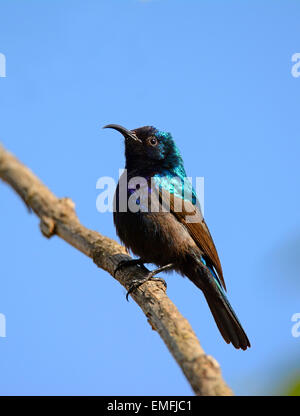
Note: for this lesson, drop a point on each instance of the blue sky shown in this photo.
(218, 76)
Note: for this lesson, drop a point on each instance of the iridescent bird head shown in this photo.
(148, 146)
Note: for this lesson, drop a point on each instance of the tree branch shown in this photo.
(57, 216)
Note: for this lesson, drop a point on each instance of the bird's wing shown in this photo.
(189, 214)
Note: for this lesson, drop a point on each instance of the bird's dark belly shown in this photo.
(156, 237)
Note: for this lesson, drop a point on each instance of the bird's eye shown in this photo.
(153, 141)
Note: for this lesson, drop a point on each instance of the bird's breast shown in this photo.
(157, 237)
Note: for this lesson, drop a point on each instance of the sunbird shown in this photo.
(173, 239)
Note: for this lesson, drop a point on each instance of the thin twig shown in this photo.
(58, 217)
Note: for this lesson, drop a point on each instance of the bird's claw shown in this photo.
(119, 267)
(127, 263)
(135, 284)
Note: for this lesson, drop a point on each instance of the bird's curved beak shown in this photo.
(126, 133)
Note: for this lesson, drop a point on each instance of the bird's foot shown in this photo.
(135, 284)
(127, 263)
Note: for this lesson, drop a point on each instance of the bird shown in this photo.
(173, 236)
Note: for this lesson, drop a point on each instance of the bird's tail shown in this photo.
(223, 313)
